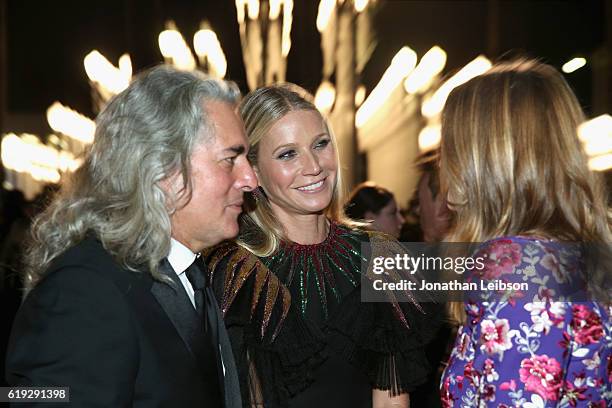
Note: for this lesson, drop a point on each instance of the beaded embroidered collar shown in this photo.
(313, 272)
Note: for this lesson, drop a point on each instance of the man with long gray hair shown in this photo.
(117, 309)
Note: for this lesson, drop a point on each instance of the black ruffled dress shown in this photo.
(300, 333)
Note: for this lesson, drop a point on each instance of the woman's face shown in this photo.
(296, 164)
(389, 220)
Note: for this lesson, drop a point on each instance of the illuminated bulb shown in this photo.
(601, 126)
(72, 124)
(573, 65)
(275, 7)
(429, 137)
(430, 65)
(54, 139)
(218, 62)
(173, 46)
(240, 10)
(596, 135)
(92, 63)
(601, 163)
(402, 64)
(13, 153)
(360, 94)
(286, 32)
(203, 41)
(253, 9)
(326, 9)
(433, 106)
(360, 5)
(26, 154)
(101, 71)
(207, 45)
(325, 96)
(125, 65)
(169, 42)
(599, 145)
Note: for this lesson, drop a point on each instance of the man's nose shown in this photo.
(247, 180)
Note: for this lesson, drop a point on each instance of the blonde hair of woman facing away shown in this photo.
(512, 163)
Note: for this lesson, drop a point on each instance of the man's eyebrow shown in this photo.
(240, 149)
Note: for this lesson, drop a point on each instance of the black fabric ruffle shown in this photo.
(372, 338)
(287, 365)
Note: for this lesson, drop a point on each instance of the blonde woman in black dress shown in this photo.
(291, 285)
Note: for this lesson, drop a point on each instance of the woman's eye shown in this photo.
(286, 155)
(322, 143)
(231, 160)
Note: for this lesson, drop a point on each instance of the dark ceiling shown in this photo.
(47, 40)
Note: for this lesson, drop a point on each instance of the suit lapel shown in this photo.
(231, 385)
(175, 302)
(228, 373)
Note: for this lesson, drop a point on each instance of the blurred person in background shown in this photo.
(434, 216)
(11, 257)
(17, 222)
(13, 232)
(376, 205)
(16, 239)
(427, 216)
(434, 221)
(411, 229)
(519, 186)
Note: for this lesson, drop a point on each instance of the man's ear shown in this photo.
(174, 190)
(369, 216)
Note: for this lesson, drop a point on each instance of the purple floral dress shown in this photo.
(528, 350)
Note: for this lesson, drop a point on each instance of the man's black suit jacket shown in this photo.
(114, 336)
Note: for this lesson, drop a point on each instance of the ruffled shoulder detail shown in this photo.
(235, 266)
(387, 339)
(287, 366)
(385, 246)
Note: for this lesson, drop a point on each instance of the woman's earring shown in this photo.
(259, 194)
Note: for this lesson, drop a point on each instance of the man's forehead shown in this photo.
(226, 125)
(230, 140)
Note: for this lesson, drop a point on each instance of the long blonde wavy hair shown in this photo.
(511, 161)
(260, 230)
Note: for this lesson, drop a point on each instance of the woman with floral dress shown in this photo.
(517, 180)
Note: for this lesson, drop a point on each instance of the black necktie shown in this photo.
(210, 348)
(198, 283)
(208, 310)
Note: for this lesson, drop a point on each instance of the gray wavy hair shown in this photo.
(145, 134)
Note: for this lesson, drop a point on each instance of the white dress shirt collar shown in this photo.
(180, 257)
